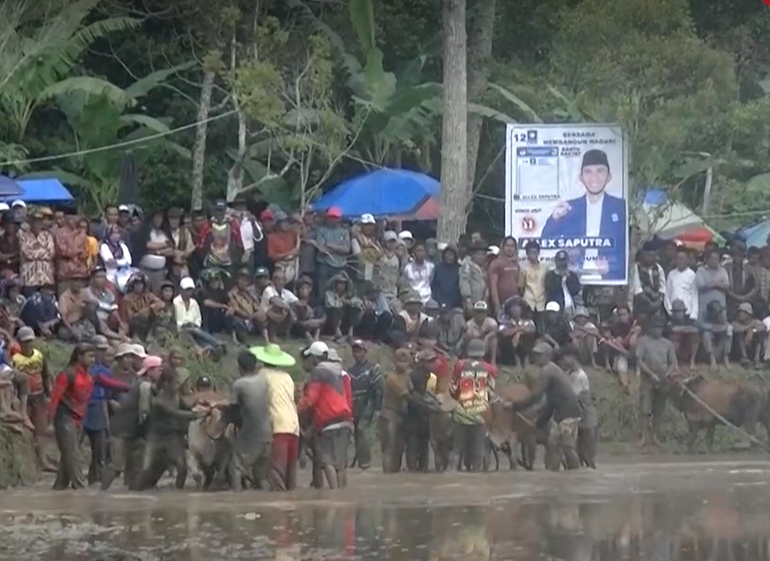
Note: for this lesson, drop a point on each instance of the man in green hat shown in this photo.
(282, 475)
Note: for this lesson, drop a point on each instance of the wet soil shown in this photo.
(655, 511)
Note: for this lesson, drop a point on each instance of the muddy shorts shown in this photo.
(652, 401)
(565, 432)
(333, 447)
(37, 409)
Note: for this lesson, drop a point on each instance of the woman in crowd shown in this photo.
(157, 247)
(116, 258)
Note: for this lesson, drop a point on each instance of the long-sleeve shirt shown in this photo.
(419, 278)
(681, 285)
(72, 390)
(96, 412)
(187, 313)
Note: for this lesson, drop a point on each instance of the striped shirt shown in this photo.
(338, 235)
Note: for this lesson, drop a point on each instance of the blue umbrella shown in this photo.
(9, 188)
(385, 192)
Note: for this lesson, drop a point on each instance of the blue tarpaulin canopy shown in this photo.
(755, 234)
(9, 187)
(385, 192)
(40, 191)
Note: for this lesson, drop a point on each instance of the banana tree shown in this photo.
(101, 115)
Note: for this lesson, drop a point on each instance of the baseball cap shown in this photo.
(25, 334)
(123, 350)
(406, 235)
(187, 283)
(220, 205)
(100, 342)
(552, 307)
(493, 250)
(334, 212)
(150, 361)
(367, 219)
(441, 246)
(137, 350)
(334, 356)
(480, 305)
(745, 307)
(261, 272)
(390, 236)
(124, 208)
(359, 343)
(4, 207)
(18, 202)
(318, 348)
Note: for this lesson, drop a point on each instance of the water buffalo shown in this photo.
(209, 450)
(740, 403)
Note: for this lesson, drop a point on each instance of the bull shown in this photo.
(209, 450)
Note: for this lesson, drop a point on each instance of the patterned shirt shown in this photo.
(37, 254)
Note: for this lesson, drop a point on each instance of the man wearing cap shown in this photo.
(325, 402)
(563, 285)
(343, 308)
(472, 380)
(482, 327)
(128, 421)
(366, 385)
(332, 239)
(33, 365)
(682, 330)
(597, 214)
(365, 247)
(19, 211)
(585, 336)
(283, 413)
(409, 322)
(748, 334)
(656, 361)
(473, 277)
(188, 316)
(561, 404)
(387, 272)
(37, 252)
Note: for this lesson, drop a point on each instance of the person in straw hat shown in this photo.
(283, 413)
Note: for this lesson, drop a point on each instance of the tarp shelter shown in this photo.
(756, 234)
(664, 217)
(385, 192)
(9, 187)
(40, 191)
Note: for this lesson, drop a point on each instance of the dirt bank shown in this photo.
(17, 459)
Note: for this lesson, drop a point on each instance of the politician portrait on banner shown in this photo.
(567, 188)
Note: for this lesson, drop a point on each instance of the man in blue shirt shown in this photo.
(596, 214)
(96, 421)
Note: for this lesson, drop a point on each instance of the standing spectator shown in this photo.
(743, 282)
(182, 244)
(532, 279)
(333, 243)
(762, 272)
(504, 274)
(72, 252)
(387, 272)
(681, 284)
(648, 283)
(92, 243)
(118, 263)
(223, 245)
(473, 277)
(366, 248)
(283, 247)
(445, 287)
(252, 236)
(419, 272)
(9, 244)
(156, 249)
(712, 281)
(366, 385)
(307, 249)
(563, 286)
(110, 217)
(37, 251)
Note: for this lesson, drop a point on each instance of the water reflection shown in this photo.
(721, 526)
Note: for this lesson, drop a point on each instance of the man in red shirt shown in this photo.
(504, 274)
(472, 380)
(325, 401)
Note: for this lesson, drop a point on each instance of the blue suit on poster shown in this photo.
(613, 224)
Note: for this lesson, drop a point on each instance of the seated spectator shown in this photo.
(139, 307)
(261, 280)
(308, 319)
(343, 308)
(682, 330)
(41, 312)
(617, 344)
(116, 258)
(556, 329)
(189, 320)
(11, 303)
(716, 334)
(451, 323)
(77, 325)
(445, 287)
(278, 301)
(748, 334)
(218, 314)
(407, 324)
(250, 317)
(101, 306)
(585, 336)
(516, 332)
(483, 328)
(164, 326)
(377, 316)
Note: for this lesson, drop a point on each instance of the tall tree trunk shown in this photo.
(235, 173)
(201, 131)
(454, 135)
(480, 34)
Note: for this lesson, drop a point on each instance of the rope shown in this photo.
(725, 421)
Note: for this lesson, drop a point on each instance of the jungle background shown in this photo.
(292, 96)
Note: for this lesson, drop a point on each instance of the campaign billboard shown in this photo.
(567, 188)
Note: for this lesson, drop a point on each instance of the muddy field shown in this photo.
(672, 511)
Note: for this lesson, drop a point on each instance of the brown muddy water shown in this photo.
(694, 511)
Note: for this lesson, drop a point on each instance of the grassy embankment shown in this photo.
(617, 411)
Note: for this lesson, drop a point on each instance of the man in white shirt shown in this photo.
(680, 285)
(419, 272)
(187, 313)
(277, 301)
